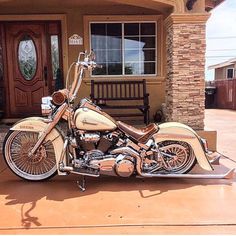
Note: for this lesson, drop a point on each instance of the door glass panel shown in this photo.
(55, 55)
(2, 90)
(1, 60)
(27, 57)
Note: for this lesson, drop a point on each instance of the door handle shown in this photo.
(45, 74)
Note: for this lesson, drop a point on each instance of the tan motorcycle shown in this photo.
(86, 141)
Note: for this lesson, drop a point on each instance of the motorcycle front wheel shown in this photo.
(37, 167)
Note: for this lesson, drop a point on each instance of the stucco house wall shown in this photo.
(179, 81)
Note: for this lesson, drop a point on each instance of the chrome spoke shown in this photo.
(179, 156)
(39, 166)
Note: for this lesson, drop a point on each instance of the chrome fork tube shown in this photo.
(49, 128)
(64, 149)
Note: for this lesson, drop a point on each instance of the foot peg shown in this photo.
(81, 183)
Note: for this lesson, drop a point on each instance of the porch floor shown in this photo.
(126, 206)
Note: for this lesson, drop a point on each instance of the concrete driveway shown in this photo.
(125, 206)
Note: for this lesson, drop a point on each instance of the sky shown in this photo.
(221, 35)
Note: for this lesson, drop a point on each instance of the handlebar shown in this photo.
(85, 63)
(88, 62)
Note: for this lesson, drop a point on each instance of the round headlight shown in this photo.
(60, 96)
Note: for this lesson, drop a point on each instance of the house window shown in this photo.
(230, 73)
(124, 48)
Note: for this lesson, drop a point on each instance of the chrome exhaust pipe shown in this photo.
(66, 168)
(85, 174)
(129, 151)
(227, 175)
(71, 169)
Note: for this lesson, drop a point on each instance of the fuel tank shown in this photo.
(92, 120)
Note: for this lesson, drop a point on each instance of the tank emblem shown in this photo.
(85, 121)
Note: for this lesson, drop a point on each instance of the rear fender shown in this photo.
(179, 132)
(38, 124)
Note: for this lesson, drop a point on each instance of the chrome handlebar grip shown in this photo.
(88, 62)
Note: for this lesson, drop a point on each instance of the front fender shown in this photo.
(39, 124)
(179, 132)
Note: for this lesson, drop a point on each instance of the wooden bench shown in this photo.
(120, 95)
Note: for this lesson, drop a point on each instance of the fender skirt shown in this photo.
(179, 132)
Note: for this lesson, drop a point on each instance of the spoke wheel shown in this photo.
(40, 166)
(178, 156)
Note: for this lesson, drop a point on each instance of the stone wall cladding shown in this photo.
(185, 84)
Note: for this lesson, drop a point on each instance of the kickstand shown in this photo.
(81, 183)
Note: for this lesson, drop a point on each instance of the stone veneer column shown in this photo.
(185, 82)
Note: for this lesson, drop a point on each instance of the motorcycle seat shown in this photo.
(141, 135)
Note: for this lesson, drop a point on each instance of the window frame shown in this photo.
(227, 69)
(123, 46)
(159, 52)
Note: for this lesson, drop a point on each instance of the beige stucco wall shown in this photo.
(75, 25)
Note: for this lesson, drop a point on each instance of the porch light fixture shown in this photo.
(190, 4)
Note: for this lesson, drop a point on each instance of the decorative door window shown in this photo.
(124, 48)
(27, 57)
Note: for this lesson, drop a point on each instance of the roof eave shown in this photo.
(223, 64)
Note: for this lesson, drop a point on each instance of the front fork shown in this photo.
(49, 128)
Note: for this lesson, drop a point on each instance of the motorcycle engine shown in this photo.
(95, 141)
(124, 166)
(120, 165)
(95, 152)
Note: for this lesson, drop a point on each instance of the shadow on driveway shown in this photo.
(64, 189)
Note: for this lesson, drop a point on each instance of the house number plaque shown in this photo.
(75, 39)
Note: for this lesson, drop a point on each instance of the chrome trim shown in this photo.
(227, 175)
(214, 157)
(84, 174)
(132, 153)
(205, 144)
(126, 150)
(72, 170)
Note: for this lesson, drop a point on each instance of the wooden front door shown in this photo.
(29, 66)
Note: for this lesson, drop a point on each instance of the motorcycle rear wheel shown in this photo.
(183, 159)
(38, 167)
